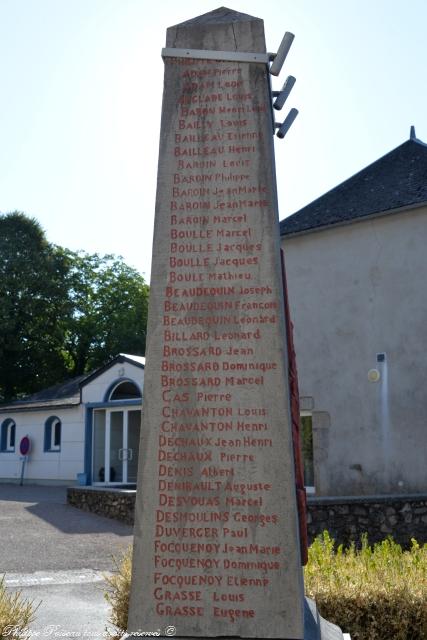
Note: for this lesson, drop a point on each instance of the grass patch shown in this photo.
(373, 593)
(16, 614)
(118, 593)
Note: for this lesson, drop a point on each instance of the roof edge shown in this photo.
(15, 408)
(118, 359)
(344, 223)
(354, 175)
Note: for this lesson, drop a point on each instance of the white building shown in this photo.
(356, 264)
(85, 430)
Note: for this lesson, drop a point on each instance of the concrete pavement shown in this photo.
(57, 555)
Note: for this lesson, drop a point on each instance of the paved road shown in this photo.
(57, 554)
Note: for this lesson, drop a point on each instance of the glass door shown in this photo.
(134, 430)
(116, 431)
(116, 435)
(99, 437)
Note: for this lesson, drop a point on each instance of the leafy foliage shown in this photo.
(62, 313)
(109, 310)
(374, 593)
(33, 305)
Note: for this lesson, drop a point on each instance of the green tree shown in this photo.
(110, 303)
(62, 313)
(33, 306)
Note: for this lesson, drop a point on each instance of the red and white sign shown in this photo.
(25, 446)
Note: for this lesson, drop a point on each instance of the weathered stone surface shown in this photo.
(399, 516)
(119, 505)
(216, 536)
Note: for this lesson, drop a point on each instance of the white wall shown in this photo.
(51, 466)
(355, 291)
(63, 465)
(95, 390)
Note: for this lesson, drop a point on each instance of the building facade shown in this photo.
(356, 265)
(86, 430)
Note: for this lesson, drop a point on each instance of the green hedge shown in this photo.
(373, 593)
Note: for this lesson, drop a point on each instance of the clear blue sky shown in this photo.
(80, 98)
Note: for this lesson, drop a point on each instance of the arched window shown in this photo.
(52, 434)
(126, 390)
(8, 436)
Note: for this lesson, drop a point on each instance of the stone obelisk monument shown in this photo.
(216, 538)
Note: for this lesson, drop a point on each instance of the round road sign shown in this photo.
(24, 446)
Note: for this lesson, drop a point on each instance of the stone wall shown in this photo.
(403, 517)
(111, 503)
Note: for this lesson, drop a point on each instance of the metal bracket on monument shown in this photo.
(277, 60)
(207, 54)
(282, 95)
(284, 127)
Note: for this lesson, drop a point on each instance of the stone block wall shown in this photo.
(346, 519)
(111, 503)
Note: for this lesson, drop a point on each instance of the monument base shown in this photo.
(315, 628)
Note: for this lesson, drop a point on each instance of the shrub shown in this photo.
(118, 593)
(16, 614)
(373, 593)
